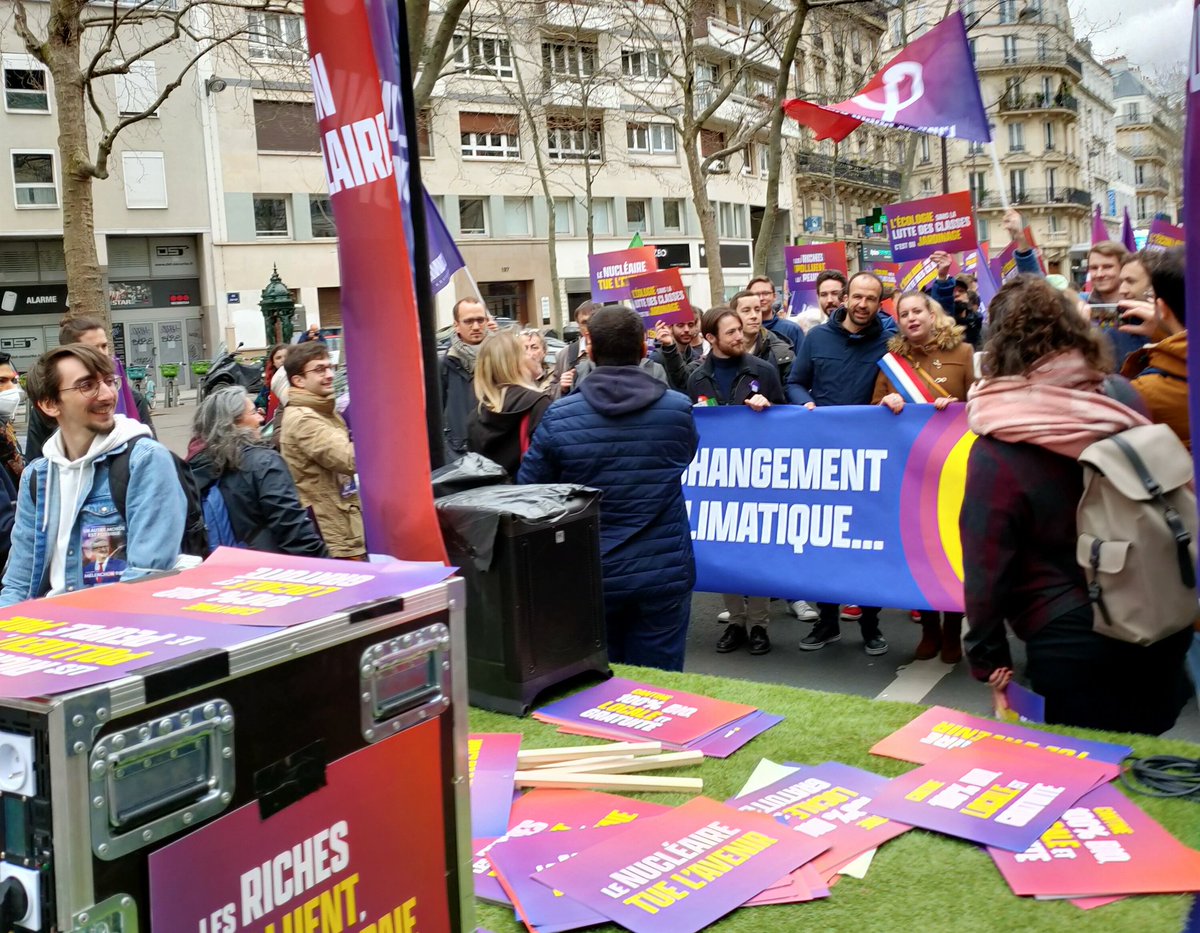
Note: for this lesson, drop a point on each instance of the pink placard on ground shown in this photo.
(491, 766)
(681, 871)
(992, 793)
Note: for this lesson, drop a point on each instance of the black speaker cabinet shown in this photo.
(535, 607)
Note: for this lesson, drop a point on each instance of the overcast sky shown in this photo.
(1151, 33)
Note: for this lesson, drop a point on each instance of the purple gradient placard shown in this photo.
(992, 793)
(1163, 235)
(257, 588)
(491, 764)
(611, 272)
(728, 739)
(48, 647)
(681, 871)
(831, 802)
(917, 229)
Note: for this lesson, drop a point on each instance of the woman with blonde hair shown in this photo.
(928, 360)
(510, 405)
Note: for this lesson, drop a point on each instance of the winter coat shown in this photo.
(263, 505)
(458, 397)
(678, 365)
(1159, 374)
(970, 321)
(503, 436)
(626, 434)
(787, 329)
(947, 359)
(774, 349)
(836, 367)
(149, 533)
(316, 447)
(754, 377)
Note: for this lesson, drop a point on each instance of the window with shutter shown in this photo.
(285, 126)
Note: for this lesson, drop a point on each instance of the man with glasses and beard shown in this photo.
(66, 501)
(317, 449)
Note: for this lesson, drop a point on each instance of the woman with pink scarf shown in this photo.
(1040, 404)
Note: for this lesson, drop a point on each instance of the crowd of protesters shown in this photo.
(603, 416)
(1043, 369)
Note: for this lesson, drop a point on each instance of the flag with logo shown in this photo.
(444, 257)
(929, 87)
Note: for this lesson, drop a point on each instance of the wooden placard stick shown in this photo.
(624, 766)
(539, 756)
(589, 764)
(632, 783)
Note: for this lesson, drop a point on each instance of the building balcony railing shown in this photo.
(1152, 183)
(993, 61)
(813, 163)
(1012, 103)
(1145, 152)
(1037, 197)
(1144, 118)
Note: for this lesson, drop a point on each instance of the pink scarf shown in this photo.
(1058, 405)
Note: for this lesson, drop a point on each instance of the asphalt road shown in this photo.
(838, 668)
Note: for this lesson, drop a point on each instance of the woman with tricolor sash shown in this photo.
(928, 362)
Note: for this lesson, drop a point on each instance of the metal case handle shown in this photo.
(404, 681)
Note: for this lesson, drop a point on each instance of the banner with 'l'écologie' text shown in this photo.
(840, 505)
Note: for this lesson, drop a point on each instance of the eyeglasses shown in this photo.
(320, 370)
(90, 388)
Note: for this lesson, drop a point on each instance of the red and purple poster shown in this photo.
(660, 298)
(1104, 845)
(992, 793)
(803, 264)
(627, 710)
(919, 273)
(918, 229)
(611, 272)
(491, 765)
(683, 870)
(1163, 235)
(256, 588)
(345, 857)
(887, 272)
(1004, 265)
(940, 728)
(831, 802)
(728, 739)
(543, 810)
(48, 646)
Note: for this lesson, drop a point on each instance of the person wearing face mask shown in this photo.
(11, 398)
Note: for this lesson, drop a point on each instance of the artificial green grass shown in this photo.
(919, 882)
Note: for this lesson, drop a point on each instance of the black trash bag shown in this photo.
(470, 471)
(471, 519)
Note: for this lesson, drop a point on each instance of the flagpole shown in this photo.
(999, 175)
(474, 285)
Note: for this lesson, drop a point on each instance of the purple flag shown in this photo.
(984, 279)
(1099, 228)
(1191, 201)
(444, 257)
(1127, 233)
(930, 87)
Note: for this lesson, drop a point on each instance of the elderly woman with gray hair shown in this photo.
(227, 449)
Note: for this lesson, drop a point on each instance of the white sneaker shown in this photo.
(803, 611)
(723, 616)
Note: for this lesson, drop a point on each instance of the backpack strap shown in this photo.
(1154, 371)
(118, 475)
(1183, 538)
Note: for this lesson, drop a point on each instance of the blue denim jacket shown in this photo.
(157, 512)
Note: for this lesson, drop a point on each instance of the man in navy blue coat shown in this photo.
(625, 433)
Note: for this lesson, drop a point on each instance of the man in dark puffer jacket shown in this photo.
(625, 433)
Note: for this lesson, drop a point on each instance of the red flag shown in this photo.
(383, 344)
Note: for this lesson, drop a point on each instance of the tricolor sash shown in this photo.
(909, 380)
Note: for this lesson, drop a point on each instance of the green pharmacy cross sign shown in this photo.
(876, 221)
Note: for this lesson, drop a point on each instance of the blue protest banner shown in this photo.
(840, 505)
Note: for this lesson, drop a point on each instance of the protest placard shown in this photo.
(919, 228)
(939, 728)
(803, 264)
(1163, 235)
(257, 588)
(625, 709)
(1103, 845)
(491, 764)
(660, 298)
(681, 871)
(994, 793)
(611, 272)
(831, 802)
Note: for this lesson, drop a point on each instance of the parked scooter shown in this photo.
(228, 370)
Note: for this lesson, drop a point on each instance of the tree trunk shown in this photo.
(708, 224)
(766, 232)
(85, 278)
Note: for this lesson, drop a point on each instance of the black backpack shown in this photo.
(195, 534)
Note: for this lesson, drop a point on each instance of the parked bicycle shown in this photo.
(170, 388)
